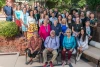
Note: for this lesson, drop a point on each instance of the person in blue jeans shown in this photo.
(8, 11)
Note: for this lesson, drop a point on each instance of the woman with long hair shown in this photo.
(32, 26)
(76, 28)
(82, 43)
(70, 21)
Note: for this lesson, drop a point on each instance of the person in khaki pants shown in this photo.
(51, 45)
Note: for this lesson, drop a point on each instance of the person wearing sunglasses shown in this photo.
(69, 44)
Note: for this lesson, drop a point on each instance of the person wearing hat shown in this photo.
(34, 46)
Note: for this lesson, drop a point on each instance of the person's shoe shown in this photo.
(31, 62)
(79, 57)
(51, 65)
(68, 62)
(45, 65)
(28, 62)
(63, 63)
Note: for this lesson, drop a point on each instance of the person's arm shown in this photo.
(74, 43)
(40, 32)
(12, 11)
(39, 45)
(60, 30)
(57, 43)
(73, 29)
(78, 42)
(91, 31)
(4, 11)
(86, 42)
(64, 42)
(46, 42)
(95, 24)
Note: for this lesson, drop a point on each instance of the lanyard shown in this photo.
(46, 28)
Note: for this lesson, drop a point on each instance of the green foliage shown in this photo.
(66, 4)
(8, 29)
(2, 3)
(82, 3)
(93, 4)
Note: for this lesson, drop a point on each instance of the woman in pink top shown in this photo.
(44, 30)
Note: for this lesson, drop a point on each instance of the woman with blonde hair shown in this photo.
(64, 27)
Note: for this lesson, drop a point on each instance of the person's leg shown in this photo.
(34, 54)
(29, 54)
(45, 55)
(63, 55)
(69, 56)
(55, 53)
(80, 53)
(25, 34)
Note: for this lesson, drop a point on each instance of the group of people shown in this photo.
(51, 30)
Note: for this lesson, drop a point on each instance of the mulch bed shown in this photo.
(17, 44)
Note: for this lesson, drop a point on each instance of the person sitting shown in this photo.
(88, 30)
(69, 44)
(51, 45)
(82, 43)
(34, 46)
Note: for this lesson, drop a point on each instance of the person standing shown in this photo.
(32, 26)
(8, 11)
(25, 23)
(44, 30)
(56, 27)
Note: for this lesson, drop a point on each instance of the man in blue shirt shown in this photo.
(53, 18)
(51, 45)
(8, 10)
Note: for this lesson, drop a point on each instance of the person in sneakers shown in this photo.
(51, 45)
(82, 44)
(69, 44)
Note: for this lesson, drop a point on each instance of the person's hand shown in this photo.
(90, 37)
(64, 49)
(50, 49)
(32, 52)
(26, 25)
(71, 50)
(80, 47)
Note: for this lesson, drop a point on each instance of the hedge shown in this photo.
(8, 29)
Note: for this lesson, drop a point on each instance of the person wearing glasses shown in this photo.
(69, 44)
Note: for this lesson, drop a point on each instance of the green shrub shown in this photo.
(8, 29)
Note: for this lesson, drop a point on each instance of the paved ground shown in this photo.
(8, 60)
(19, 61)
(81, 63)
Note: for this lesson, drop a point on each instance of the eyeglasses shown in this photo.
(68, 32)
